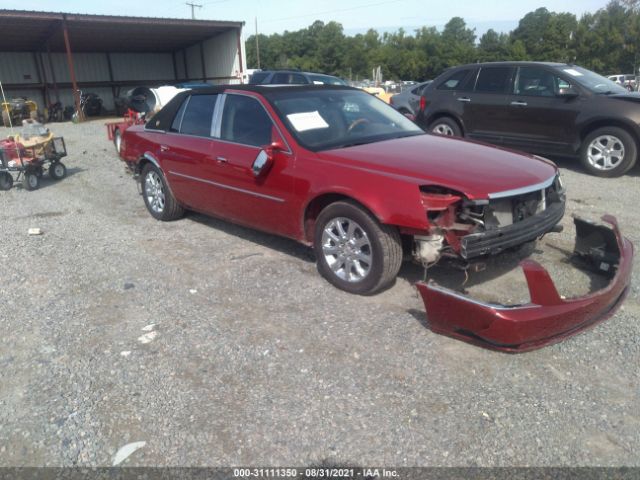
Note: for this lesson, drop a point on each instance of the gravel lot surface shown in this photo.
(218, 345)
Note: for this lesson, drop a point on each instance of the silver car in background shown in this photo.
(409, 100)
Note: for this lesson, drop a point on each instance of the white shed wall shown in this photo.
(16, 67)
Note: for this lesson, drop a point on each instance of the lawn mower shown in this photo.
(16, 109)
(29, 154)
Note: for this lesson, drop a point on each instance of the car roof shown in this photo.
(518, 63)
(264, 88)
(162, 120)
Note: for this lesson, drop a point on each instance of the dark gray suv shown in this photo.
(545, 108)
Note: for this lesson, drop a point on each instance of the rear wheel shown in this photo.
(31, 181)
(159, 200)
(6, 181)
(354, 251)
(117, 139)
(445, 126)
(57, 171)
(608, 152)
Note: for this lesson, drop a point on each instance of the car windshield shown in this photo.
(326, 79)
(323, 119)
(592, 81)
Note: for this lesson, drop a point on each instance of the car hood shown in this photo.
(630, 97)
(472, 168)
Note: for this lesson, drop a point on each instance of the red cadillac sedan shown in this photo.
(337, 169)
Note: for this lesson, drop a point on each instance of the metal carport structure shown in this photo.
(52, 55)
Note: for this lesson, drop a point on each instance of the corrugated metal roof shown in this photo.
(30, 31)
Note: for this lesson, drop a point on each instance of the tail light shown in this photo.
(390, 100)
(423, 103)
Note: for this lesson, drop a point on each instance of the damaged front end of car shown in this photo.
(548, 317)
(469, 229)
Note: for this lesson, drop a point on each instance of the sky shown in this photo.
(356, 16)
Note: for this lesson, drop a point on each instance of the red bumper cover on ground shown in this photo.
(548, 318)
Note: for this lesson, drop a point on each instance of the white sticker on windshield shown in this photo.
(307, 121)
(573, 72)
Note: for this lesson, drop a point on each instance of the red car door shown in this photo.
(186, 152)
(267, 202)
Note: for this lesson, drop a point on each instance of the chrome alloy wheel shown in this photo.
(605, 152)
(443, 129)
(154, 190)
(347, 249)
(118, 140)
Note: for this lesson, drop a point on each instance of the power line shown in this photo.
(333, 11)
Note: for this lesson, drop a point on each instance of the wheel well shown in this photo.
(607, 123)
(141, 164)
(316, 205)
(437, 116)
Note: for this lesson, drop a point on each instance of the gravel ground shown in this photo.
(250, 358)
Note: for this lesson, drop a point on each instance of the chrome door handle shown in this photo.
(464, 99)
(221, 160)
(519, 104)
(164, 148)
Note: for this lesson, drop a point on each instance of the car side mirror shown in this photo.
(569, 92)
(261, 164)
(264, 160)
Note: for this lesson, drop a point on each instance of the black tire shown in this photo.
(169, 209)
(30, 181)
(384, 249)
(57, 170)
(117, 140)
(445, 126)
(6, 181)
(617, 138)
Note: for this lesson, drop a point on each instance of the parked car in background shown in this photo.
(336, 169)
(408, 101)
(545, 108)
(628, 81)
(293, 77)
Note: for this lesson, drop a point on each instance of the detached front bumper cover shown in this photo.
(548, 318)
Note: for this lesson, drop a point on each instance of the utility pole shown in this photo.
(257, 45)
(193, 6)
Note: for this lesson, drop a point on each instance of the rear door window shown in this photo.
(458, 81)
(494, 80)
(288, 78)
(198, 115)
(258, 77)
(177, 120)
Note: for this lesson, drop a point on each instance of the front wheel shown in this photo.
(159, 200)
(354, 251)
(445, 126)
(608, 152)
